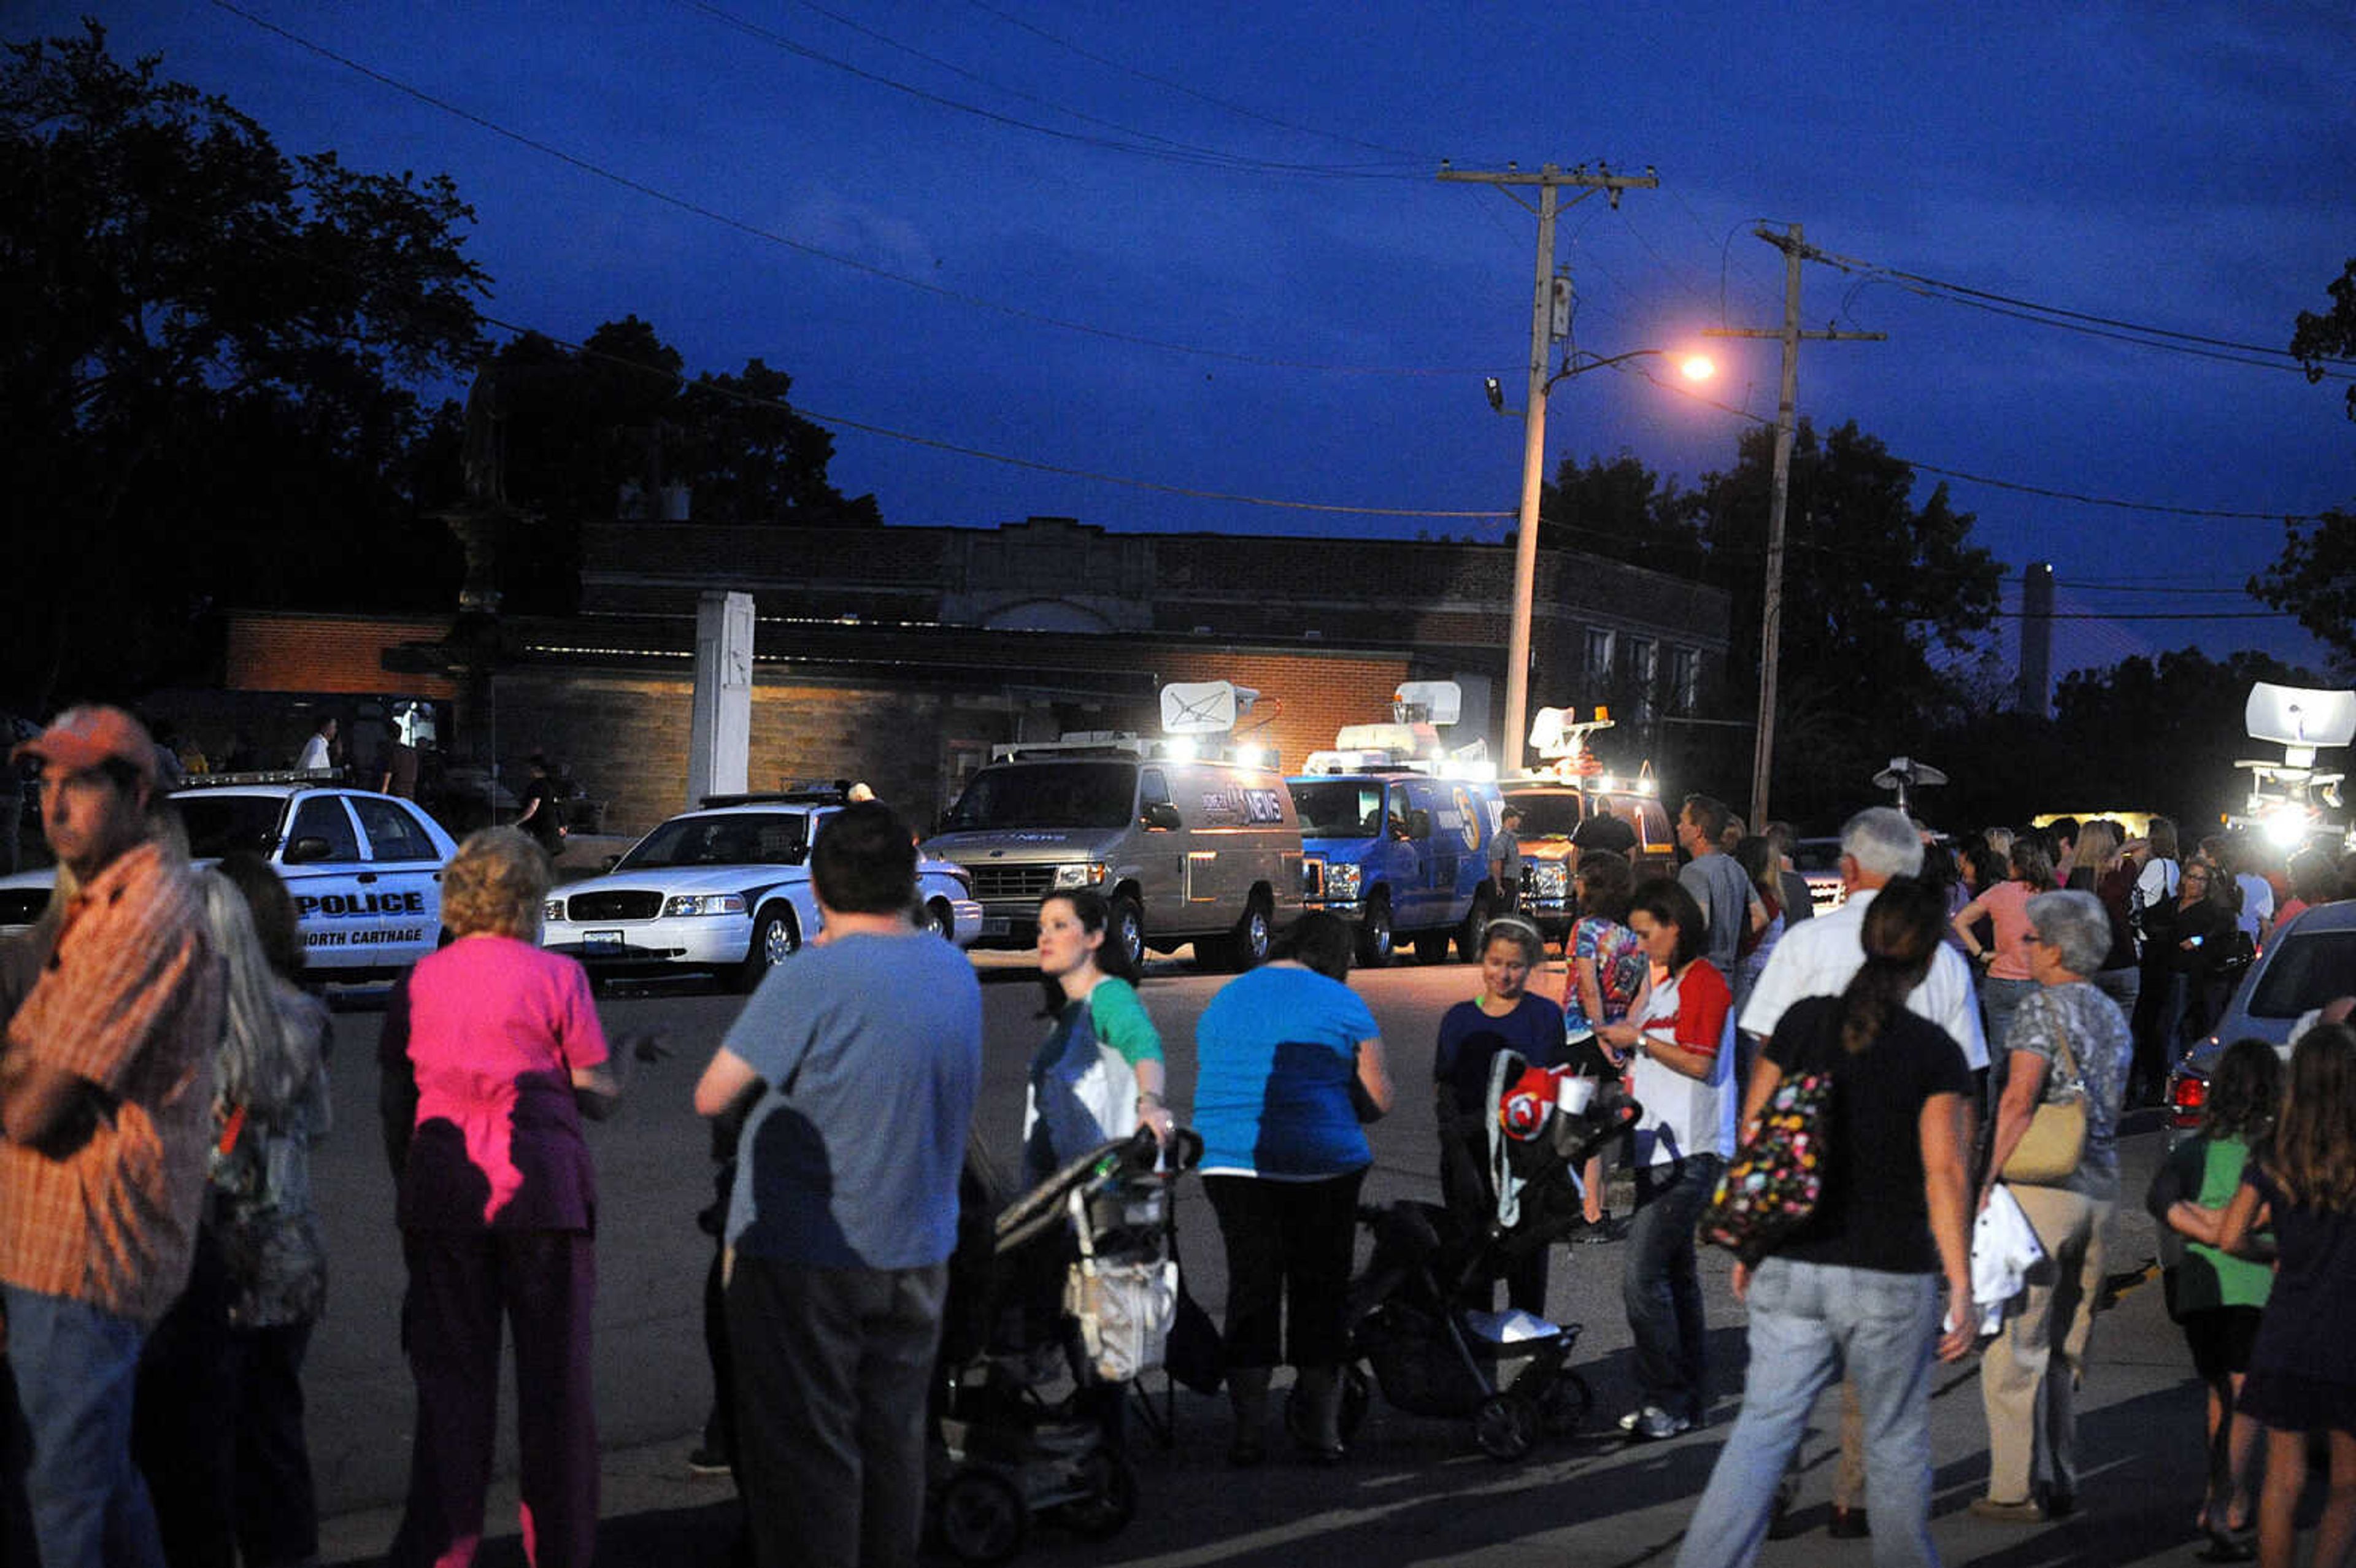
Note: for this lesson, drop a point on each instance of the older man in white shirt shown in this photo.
(1818, 959)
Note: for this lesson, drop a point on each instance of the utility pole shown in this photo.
(1770, 617)
(1549, 179)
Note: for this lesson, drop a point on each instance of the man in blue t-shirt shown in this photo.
(845, 1207)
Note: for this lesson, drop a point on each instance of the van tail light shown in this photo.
(2188, 1098)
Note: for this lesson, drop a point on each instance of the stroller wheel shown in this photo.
(1357, 1393)
(1566, 1404)
(983, 1518)
(1113, 1499)
(1507, 1426)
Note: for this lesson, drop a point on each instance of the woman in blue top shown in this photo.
(1289, 1062)
(1099, 1074)
(1503, 1017)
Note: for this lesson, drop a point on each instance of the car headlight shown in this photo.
(703, 904)
(1342, 882)
(1551, 878)
(1085, 875)
(553, 910)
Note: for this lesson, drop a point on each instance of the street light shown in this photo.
(1693, 366)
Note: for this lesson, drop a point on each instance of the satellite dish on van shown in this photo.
(1202, 707)
(1441, 702)
(2299, 716)
(1546, 731)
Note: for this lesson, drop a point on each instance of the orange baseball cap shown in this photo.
(83, 738)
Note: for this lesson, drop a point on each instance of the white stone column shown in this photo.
(719, 740)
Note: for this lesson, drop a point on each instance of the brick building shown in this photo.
(900, 655)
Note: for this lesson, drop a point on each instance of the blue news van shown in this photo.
(1401, 855)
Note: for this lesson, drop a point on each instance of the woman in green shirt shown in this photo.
(1098, 1076)
(2217, 1298)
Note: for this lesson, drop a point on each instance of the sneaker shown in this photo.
(1651, 1424)
(706, 1459)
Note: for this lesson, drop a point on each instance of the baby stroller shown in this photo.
(1076, 1280)
(1419, 1312)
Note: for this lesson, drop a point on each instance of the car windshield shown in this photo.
(221, 825)
(1546, 815)
(1341, 809)
(1046, 794)
(2308, 970)
(738, 838)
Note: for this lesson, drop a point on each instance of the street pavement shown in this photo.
(1413, 1491)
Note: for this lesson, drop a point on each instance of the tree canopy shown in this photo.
(207, 376)
(2315, 576)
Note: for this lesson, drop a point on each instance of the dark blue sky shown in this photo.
(1202, 247)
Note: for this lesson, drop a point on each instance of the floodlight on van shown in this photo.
(1252, 756)
(1180, 749)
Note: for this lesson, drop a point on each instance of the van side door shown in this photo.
(1161, 852)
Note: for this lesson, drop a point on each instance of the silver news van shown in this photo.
(1207, 852)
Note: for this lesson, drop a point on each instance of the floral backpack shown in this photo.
(1777, 1178)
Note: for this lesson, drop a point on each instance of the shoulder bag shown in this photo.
(1777, 1178)
(2056, 1139)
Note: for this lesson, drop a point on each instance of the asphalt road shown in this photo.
(1414, 1492)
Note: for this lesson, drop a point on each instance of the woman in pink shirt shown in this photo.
(490, 1053)
(2005, 983)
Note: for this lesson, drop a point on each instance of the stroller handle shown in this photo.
(1120, 1159)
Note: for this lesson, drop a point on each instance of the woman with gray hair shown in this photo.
(2067, 1040)
(491, 1053)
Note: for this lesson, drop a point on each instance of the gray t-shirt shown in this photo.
(1505, 858)
(2100, 1049)
(872, 1050)
(1718, 884)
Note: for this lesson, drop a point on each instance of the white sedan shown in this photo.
(726, 890)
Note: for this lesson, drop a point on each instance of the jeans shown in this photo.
(1662, 1287)
(76, 1367)
(1810, 1322)
(831, 1369)
(1999, 1000)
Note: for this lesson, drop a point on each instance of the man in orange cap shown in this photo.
(105, 1112)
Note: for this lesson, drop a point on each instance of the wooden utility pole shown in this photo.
(1771, 616)
(1549, 179)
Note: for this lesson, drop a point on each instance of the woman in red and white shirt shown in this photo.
(1682, 1041)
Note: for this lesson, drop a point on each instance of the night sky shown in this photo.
(1202, 248)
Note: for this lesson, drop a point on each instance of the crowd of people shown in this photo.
(164, 1076)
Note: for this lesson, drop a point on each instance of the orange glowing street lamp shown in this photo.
(1693, 366)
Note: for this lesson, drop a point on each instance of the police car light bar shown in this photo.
(263, 776)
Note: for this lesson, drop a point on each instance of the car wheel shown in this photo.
(1374, 935)
(936, 918)
(1468, 935)
(1126, 926)
(775, 938)
(1247, 946)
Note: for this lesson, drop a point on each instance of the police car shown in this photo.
(727, 890)
(365, 869)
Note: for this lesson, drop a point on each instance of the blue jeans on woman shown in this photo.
(1662, 1287)
(1809, 1322)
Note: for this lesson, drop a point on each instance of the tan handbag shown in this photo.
(2056, 1139)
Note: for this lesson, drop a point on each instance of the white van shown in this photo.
(1207, 852)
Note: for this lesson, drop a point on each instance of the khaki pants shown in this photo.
(2055, 1317)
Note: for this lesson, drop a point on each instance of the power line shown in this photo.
(805, 247)
(1170, 152)
(2093, 325)
(1193, 92)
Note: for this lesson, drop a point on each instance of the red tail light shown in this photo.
(2188, 1097)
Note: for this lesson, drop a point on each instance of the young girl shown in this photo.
(2302, 1377)
(1506, 1015)
(2216, 1297)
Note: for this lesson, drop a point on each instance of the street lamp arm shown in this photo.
(1581, 363)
